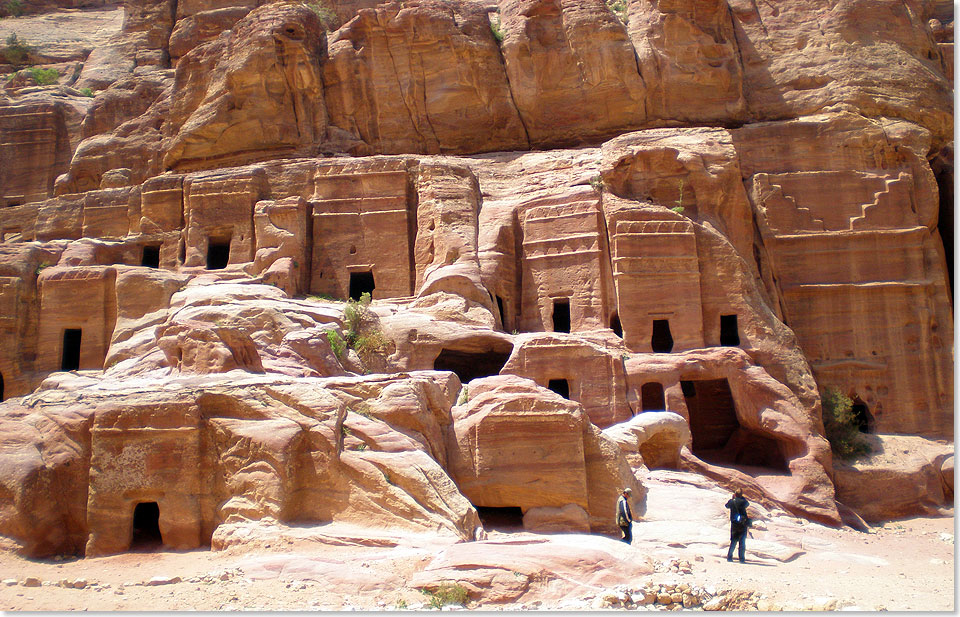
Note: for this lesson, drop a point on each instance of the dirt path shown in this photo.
(793, 565)
(65, 36)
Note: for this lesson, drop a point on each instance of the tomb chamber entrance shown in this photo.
(718, 436)
(471, 365)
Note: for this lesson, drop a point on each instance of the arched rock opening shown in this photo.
(862, 416)
(146, 526)
(718, 436)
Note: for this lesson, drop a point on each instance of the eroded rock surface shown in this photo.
(753, 207)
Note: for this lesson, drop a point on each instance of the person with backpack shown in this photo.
(625, 516)
(739, 524)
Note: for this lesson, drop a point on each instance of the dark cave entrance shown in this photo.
(942, 167)
(718, 437)
(150, 257)
(615, 325)
(729, 333)
(561, 315)
(1, 386)
(218, 253)
(862, 416)
(501, 519)
(470, 365)
(70, 358)
(662, 340)
(146, 526)
(361, 283)
(560, 386)
(651, 397)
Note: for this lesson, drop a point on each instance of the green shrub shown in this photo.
(447, 593)
(44, 77)
(840, 426)
(362, 332)
(496, 28)
(86, 92)
(619, 8)
(597, 183)
(677, 209)
(11, 8)
(16, 49)
(327, 15)
(337, 344)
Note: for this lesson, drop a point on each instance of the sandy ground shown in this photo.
(903, 565)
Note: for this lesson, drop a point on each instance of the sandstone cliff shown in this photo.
(595, 242)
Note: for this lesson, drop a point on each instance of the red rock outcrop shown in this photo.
(764, 214)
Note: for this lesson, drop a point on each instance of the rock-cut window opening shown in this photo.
(361, 283)
(560, 386)
(218, 253)
(146, 525)
(651, 397)
(70, 356)
(729, 333)
(150, 257)
(662, 340)
(561, 315)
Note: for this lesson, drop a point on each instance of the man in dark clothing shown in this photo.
(625, 515)
(739, 523)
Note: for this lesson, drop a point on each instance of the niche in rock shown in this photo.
(662, 340)
(150, 257)
(862, 416)
(1, 386)
(718, 437)
(651, 397)
(942, 167)
(615, 325)
(560, 386)
(470, 365)
(146, 526)
(729, 334)
(218, 253)
(501, 519)
(361, 283)
(561, 315)
(503, 317)
(70, 356)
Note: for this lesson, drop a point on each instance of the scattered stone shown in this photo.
(162, 580)
(9, 582)
(32, 581)
(80, 583)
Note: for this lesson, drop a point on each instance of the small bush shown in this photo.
(496, 28)
(45, 77)
(618, 8)
(677, 209)
(337, 344)
(597, 183)
(840, 426)
(11, 8)
(86, 92)
(327, 15)
(447, 593)
(16, 49)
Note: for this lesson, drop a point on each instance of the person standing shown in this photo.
(625, 515)
(739, 524)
